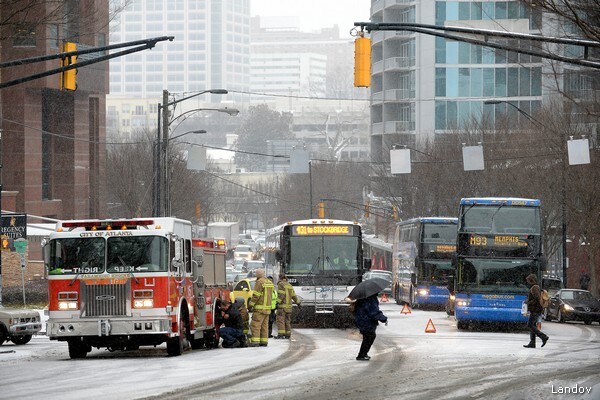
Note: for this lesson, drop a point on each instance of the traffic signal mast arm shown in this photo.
(142, 45)
(487, 34)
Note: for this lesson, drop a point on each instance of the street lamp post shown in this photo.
(563, 189)
(160, 157)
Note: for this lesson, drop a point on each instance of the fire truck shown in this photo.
(124, 283)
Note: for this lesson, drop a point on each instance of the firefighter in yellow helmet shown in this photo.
(260, 305)
(285, 296)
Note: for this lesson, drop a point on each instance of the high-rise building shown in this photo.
(423, 86)
(53, 140)
(210, 50)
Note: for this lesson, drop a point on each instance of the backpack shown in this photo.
(544, 298)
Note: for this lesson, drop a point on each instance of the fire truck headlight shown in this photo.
(67, 305)
(462, 303)
(143, 303)
(423, 292)
(452, 297)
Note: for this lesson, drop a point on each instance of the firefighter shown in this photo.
(240, 303)
(272, 316)
(285, 296)
(260, 306)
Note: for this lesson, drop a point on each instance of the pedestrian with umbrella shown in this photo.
(366, 312)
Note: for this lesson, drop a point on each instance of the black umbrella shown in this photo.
(368, 288)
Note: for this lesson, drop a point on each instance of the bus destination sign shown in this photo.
(310, 230)
(498, 241)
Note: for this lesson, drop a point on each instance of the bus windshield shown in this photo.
(501, 219)
(137, 254)
(438, 233)
(436, 272)
(317, 253)
(495, 275)
(76, 256)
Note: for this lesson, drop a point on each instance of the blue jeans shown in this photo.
(532, 325)
(230, 335)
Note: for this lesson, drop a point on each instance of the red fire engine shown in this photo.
(121, 284)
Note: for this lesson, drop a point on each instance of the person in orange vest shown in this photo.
(285, 296)
(260, 305)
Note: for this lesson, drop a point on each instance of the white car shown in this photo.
(18, 325)
(243, 252)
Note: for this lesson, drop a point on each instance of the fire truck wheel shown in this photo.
(3, 334)
(77, 348)
(23, 339)
(176, 345)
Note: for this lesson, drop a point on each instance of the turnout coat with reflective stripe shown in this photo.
(262, 296)
(285, 295)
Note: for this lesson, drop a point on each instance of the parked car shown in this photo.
(378, 273)
(18, 326)
(552, 284)
(574, 305)
(243, 289)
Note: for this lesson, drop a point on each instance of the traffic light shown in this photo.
(395, 213)
(367, 209)
(69, 78)
(362, 62)
(198, 210)
(321, 209)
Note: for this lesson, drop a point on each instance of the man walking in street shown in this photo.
(285, 296)
(534, 306)
(260, 305)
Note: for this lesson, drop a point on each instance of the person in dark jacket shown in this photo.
(234, 327)
(366, 317)
(535, 310)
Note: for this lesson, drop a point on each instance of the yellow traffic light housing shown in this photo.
(321, 209)
(198, 211)
(367, 209)
(362, 62)
(69, 78)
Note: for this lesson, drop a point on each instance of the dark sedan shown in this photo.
(574, 305)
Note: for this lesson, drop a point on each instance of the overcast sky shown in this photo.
(316, 14)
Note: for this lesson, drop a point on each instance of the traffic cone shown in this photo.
(384, 298)
(405, 309)
(430, 328)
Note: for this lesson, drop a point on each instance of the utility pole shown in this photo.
(165, 166)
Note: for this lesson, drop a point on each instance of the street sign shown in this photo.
(20, 245)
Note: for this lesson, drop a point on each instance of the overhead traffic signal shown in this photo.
(69, 78)
(362, 62)
(321, 209)
(367, 209)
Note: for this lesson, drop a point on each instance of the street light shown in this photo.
(563, 199)
(160, 179)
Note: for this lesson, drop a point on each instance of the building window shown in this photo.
(53, 39)
(24, 36)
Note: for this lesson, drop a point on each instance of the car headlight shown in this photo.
(423, 292)
(567, 307)
(452, 297)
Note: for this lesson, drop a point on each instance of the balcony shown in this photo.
(396, 63)
(399, 94)
(391, 127)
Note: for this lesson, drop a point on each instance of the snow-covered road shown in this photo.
(407, 363)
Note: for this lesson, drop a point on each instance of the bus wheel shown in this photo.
(77, 348)
(462, 324)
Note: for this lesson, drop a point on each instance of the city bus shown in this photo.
(499, 244)
(423, 249)
(323, 260)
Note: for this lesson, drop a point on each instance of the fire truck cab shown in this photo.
(124, 283)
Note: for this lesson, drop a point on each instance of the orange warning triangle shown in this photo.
(430, 328)
(405, 309)
(384, 298)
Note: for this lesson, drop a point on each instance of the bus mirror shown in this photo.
(543, 263)
(451, 283)
(367, 264)
(413, 278)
